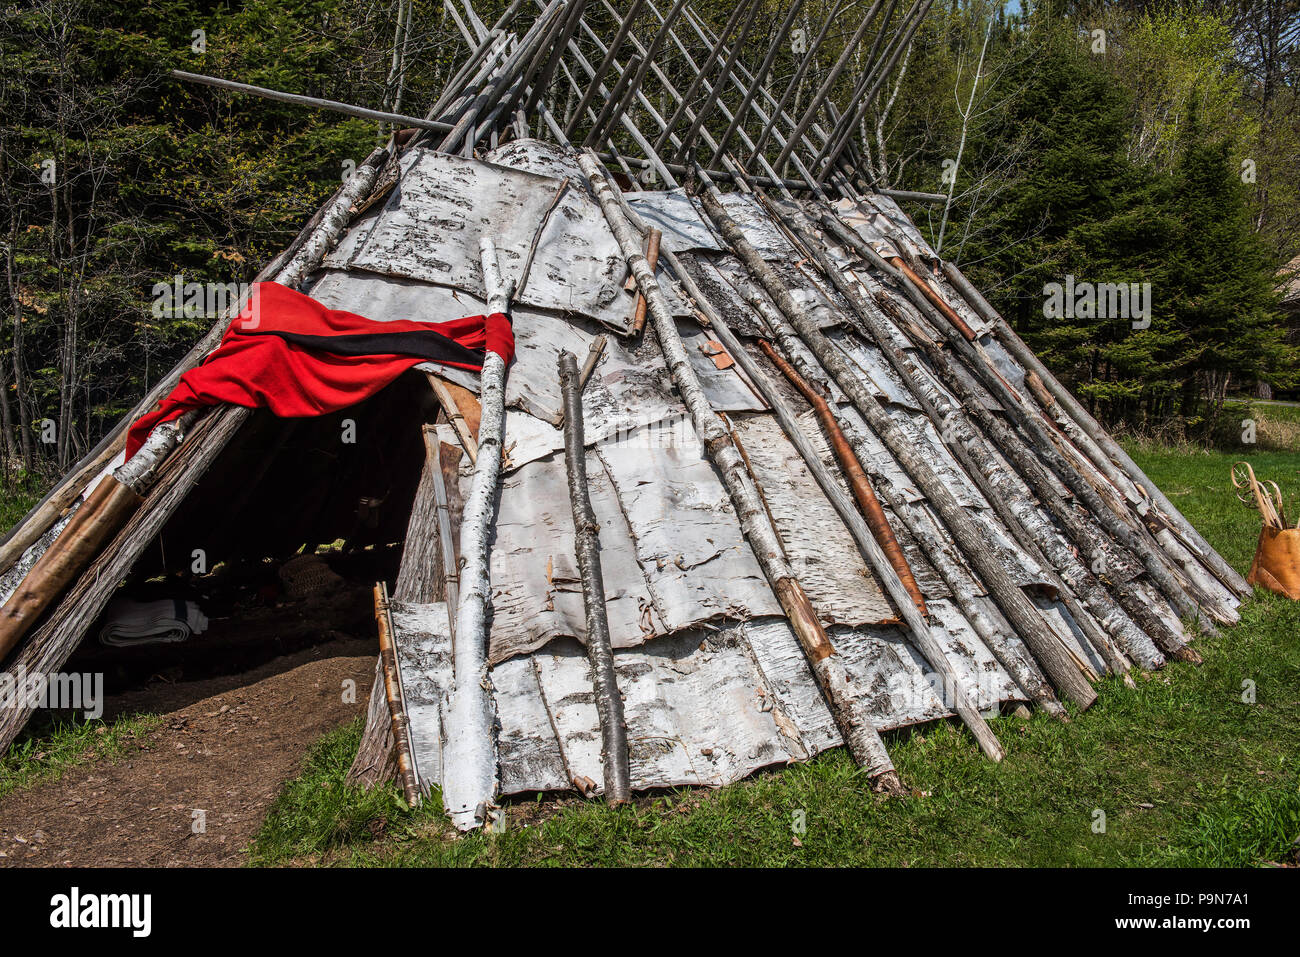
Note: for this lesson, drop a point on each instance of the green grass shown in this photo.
(1185, 771)
(15, 500)
(46, 753)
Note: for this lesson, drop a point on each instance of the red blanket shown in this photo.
(288, 353)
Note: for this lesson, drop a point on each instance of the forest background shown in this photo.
(1110, 142)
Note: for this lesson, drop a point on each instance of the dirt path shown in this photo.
(225, 747)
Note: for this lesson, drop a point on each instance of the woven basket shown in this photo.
(308, 575)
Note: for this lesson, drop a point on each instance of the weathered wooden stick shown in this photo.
(853, 472)
(446, 540)
(828, 83)
(93, 524)
(843, 696)
(396, 700)
(522, 281)
(469, 745)
(449, 405)
(1026, 619)
(397, 119)
(609, 701)
(594, 352)
(334, 220)
(376, 760)
(653, 238)
(598, 77)
(1010, 499)
(757, 81)
(52, 509)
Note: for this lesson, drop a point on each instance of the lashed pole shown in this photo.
(759, 78)
(829, 83)
(845, 697)
(609, 702)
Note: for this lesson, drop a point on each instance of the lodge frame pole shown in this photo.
(469, 744)
(716, 91)
(401, 727)
(693, 87)
(960, 582)
(778, 113)
(334, 106)
(1009, 498)
(1108, 446)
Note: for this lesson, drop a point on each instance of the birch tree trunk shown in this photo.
(469, 744)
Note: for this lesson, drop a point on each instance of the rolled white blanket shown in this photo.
(130, 623)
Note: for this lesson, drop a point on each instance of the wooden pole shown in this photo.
(653, 238)
(918, 522)
(1108, 450)
(853, 473)
(396, 700)
(609, 701)
(1010, 496)
(397, 119)
(469, 746)
(1157, 564)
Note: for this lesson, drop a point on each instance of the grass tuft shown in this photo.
(47, 753)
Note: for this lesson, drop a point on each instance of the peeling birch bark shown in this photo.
(609, 702)
(842, 695)
(469, 757)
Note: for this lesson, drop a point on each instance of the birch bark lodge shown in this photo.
(826, 495)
